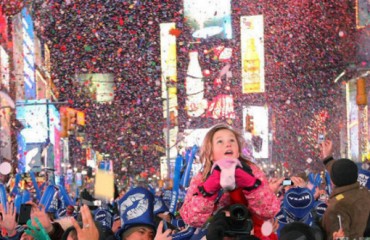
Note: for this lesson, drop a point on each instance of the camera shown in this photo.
(287, 182)
(240, 221)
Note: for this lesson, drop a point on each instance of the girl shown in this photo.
(220, 143)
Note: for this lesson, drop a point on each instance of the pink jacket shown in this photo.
(196, 209)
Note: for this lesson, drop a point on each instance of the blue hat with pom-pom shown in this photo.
(136, 209)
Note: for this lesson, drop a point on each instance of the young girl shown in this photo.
(220, 143)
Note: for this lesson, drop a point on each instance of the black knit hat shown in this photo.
(295, 231)
(344, 172)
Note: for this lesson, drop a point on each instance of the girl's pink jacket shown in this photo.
(196, 209)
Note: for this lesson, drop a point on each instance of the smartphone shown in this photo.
(24, 213)
(287, 182)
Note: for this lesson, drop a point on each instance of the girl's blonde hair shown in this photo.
(206, 150)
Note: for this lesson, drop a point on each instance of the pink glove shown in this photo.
(212, 185)
(246, 180)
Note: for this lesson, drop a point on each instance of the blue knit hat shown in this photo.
(298, 202)
(136, 209)
(104, 217)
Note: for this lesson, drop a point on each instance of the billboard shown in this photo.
(209, 19)
(252, 54)
(99, 85)
(258, 139)
(362, 13)
(4, 68)
(28, 55)
(352, 122)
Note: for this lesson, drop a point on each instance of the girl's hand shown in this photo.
(89, 230)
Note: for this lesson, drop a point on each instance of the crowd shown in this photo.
(230, 198)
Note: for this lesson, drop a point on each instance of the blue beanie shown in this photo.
(298, 202)
(136, 209)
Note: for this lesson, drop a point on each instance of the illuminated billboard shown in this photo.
(28, 55)
(252, 54)
(362, 13)
(207, 19)
(258, 139)
(352, 121)
(4, 68)
(99, 85)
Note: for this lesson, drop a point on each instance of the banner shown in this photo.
(176, 183)
(252, 54)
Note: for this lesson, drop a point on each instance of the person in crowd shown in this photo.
(349, 204)
(297, 231)
(299, 205)
(136, 209)
(225, 168)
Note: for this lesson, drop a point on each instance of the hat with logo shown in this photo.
(364, 177)
(298, 202)
(344, 172)
(136, 209)
(159, 206)
(104, 217)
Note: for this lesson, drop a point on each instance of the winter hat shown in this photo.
(104, 217)
(61, 212)
(320, 208)
(364, 178)
(344, 172)
(296, 231)
(136, 209)
(298, 202)
(159, 206)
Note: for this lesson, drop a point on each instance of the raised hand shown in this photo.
(40, 213)
(166, 235)
(89, 230)
(8, 221)
(212, 185)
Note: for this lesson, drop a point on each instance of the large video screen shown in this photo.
(207, 19)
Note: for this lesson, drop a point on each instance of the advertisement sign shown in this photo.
(3, 26)
(222, 106)
(4, 68)
(5, 130)
(168, 58)
(99, 85)
(252, 54)
(209, 19)
(362, 13)
(258, 139)
(33, 115)
(352, 121)
(29, 55)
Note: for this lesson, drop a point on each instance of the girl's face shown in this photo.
(224, 145)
